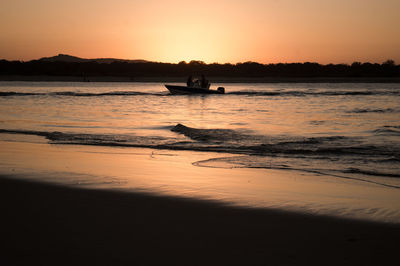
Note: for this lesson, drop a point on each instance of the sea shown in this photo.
(342, 132)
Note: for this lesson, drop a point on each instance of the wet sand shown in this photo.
(48, 224)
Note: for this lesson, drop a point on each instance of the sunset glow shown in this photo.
(269, 31)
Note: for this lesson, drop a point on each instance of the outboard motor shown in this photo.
(221, 89)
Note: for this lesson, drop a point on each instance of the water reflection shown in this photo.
(172, 172)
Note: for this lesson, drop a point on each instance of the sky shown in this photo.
(223, 31)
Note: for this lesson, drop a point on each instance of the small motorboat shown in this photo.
(176, 89)
(195, 86)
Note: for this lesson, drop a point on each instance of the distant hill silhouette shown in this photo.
(70, 58)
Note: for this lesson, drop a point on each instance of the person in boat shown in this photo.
(204, 82)
(189, 81)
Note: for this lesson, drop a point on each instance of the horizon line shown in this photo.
(197, 60)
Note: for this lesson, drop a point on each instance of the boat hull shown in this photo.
(175, 89)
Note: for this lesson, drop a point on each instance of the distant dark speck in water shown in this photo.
(317, 122)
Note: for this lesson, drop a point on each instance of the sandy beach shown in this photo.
(61, 222)
(48, 224)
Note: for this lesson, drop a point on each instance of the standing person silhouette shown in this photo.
(204, 82)
(189, 81)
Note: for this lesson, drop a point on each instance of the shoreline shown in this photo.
(211, 79)
(173, 173)
(53, 224)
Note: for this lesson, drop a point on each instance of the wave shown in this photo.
(56, 137)
(229, 141)
(13, 93)
(387, 131)
(382, 178)
(329, 155)
(278, 93)
(369, 172)
(370, 110)
(312, 93)
(207, 134)
(113, 93)
(236, 142)
(80, 94)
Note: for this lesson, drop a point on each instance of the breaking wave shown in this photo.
(235, 142)
(228, 140)
(346, 157)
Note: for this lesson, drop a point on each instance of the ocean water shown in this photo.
(339, 131)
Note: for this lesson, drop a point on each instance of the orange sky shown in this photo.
(266, 31)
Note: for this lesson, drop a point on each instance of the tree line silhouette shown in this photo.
(155, 69)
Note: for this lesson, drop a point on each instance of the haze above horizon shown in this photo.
(269, 31)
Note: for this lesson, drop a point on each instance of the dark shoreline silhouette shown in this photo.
(213, 80)
(69, 68)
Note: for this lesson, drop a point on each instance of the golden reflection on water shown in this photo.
(172, 173)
